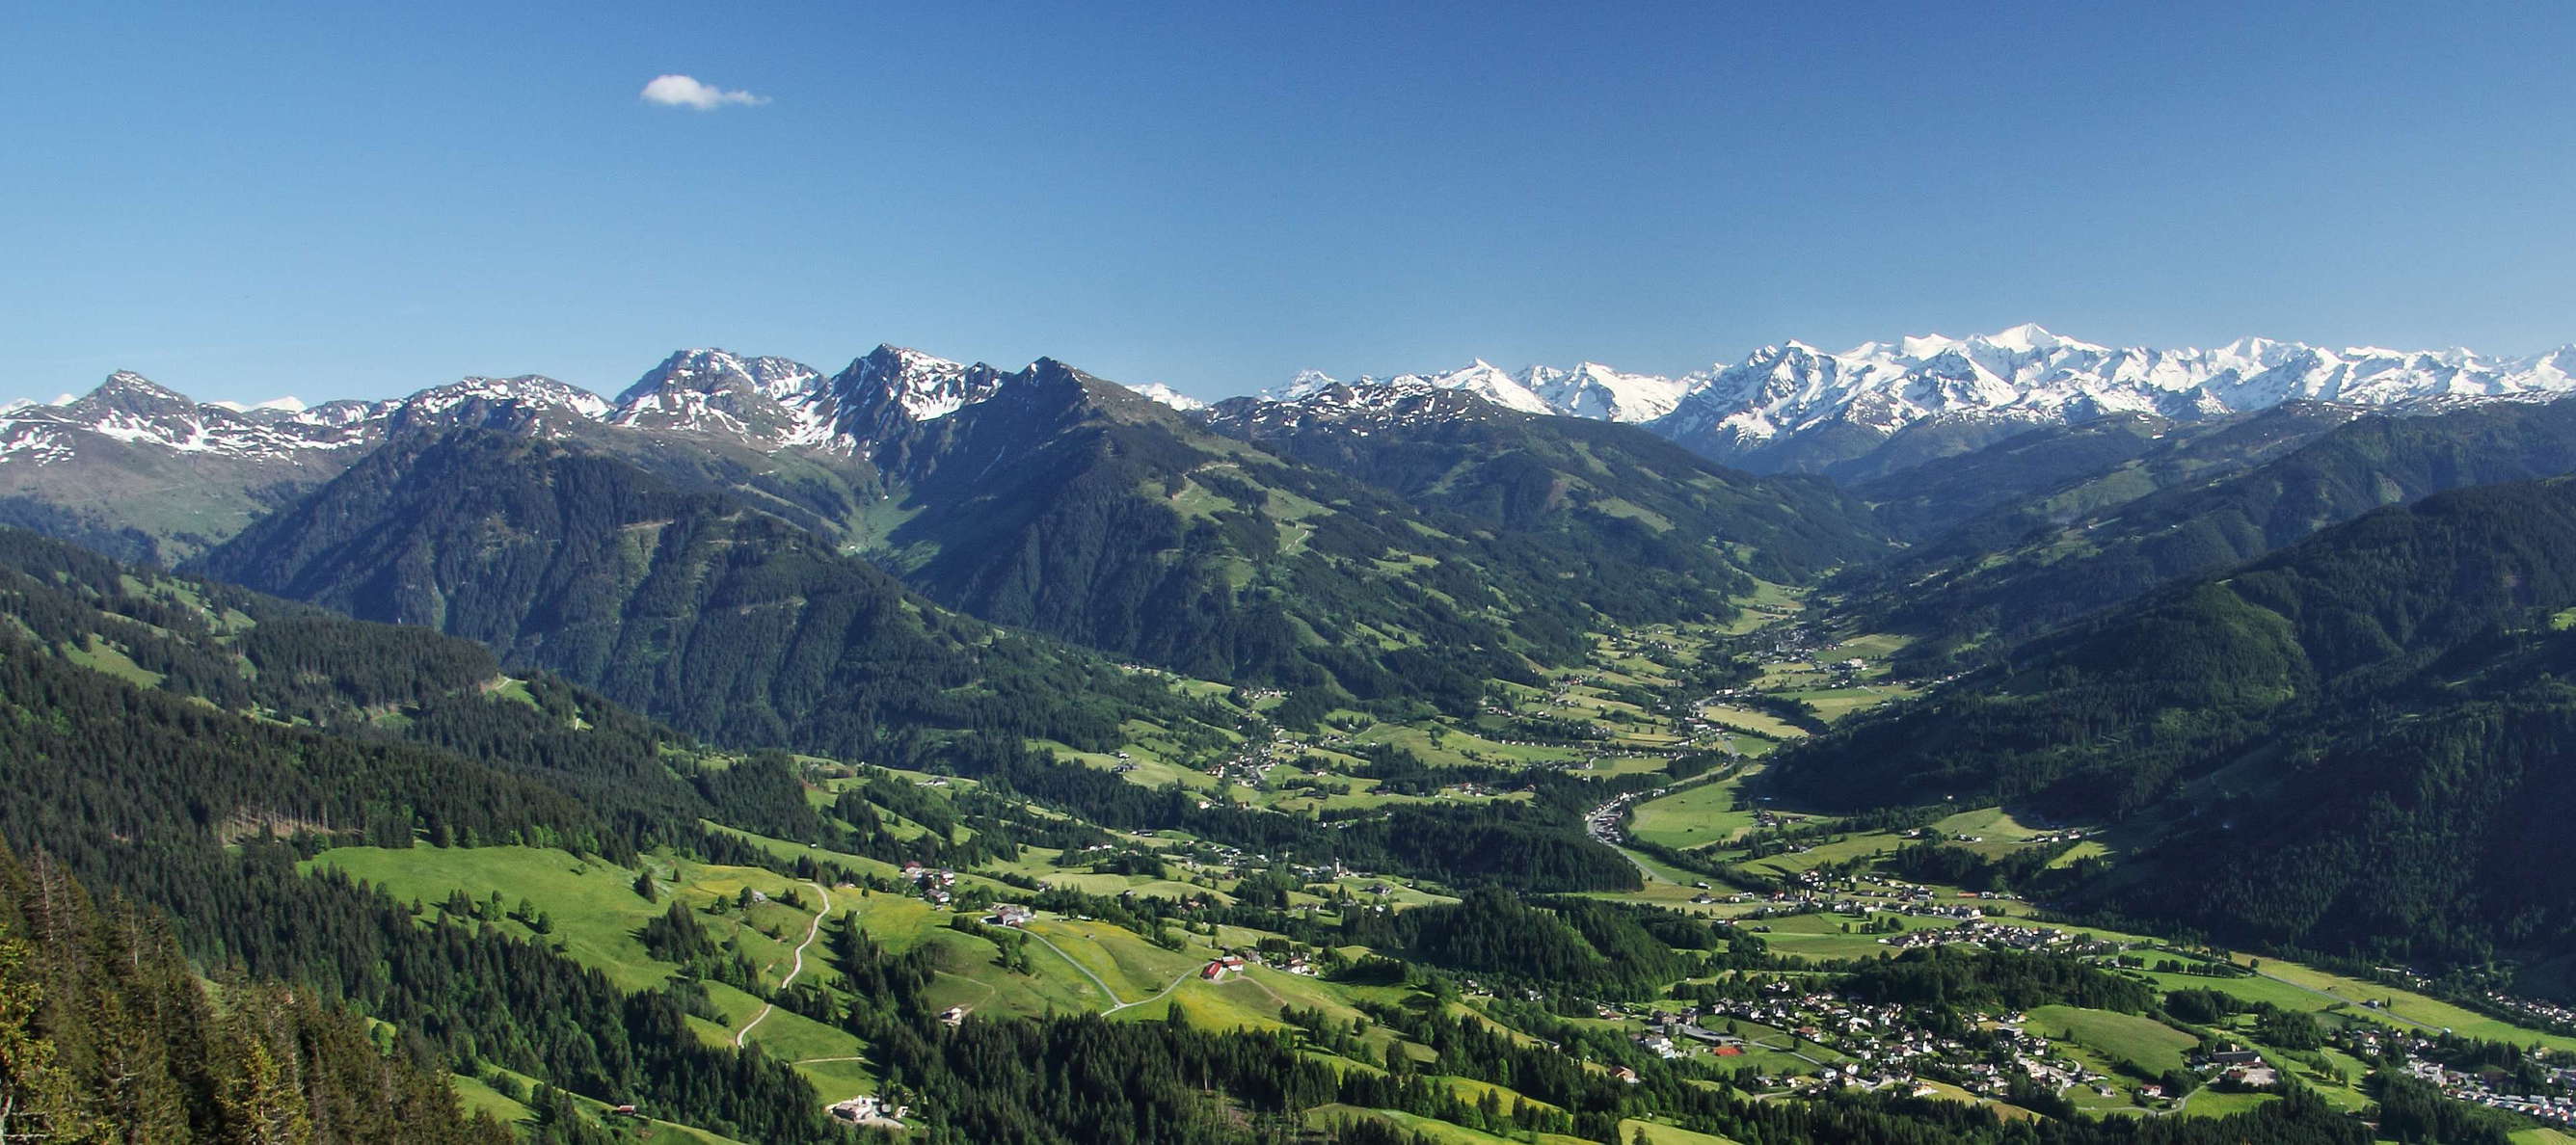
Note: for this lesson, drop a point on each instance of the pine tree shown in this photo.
(35, 1097)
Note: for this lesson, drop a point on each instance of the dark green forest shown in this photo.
(2350, 744)
(726, 622)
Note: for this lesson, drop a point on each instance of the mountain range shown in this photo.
(2261, 646)
(1880, 407)
(1043, 498)
(1867, 411)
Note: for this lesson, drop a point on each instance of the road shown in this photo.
(1114, 1004)
(798, 968)
(1602, 823)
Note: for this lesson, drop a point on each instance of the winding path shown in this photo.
(1114, 1004)
(798, 968)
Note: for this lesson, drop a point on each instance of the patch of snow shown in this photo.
(1169, 396)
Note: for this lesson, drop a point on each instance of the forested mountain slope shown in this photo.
(728, 622)
(1993, 497)
(2006, 576)
(2353, 741)
(1635, 501)
(107, 1035)
(277, 717)
(1078, 508)
(148, 756)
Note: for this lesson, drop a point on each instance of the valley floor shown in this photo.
(1659, 724)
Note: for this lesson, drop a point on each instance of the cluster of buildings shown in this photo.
(2533, 1011)
(2418, 1058)
(1232, 965)
(1996, 934)
(1843, 1042)
(871, 1111)
(2239, 1066)
(2484, 1089)
(937, 886)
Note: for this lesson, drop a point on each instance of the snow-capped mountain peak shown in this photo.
(528, 402)
(1306, 383)
(757, 399)
(715, 371)
(130, 393)
(1485, 380)
(535, 391)
(924, 387)
(1757, 410)
(1593, 390)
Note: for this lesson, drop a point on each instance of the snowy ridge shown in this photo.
(2023, 375)
(1588, 390)
(1593, 390)
(132, 411)
(533, 392)
(767, 403)
(1757, 411)
(1364, 407)
(2026, 374)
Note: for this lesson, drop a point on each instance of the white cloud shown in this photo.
(685, 91)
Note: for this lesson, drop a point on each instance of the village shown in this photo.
(2553, 1102)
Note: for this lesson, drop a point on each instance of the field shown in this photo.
(1695, 817)
(1633, 1130)
(1751, 719)
(2149, 1046)
(2406, 1006)
(1821, 935)
(2211, 1103)
(1439, 1131)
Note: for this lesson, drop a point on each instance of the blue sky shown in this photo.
(344, 200)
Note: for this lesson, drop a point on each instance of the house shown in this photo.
(2255, 1076)
(954, 1015)
(1625, 1074)
(625, 1111)
(1011, 914)
(868, 1109)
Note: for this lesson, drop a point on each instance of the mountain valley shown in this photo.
(1964, 740)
